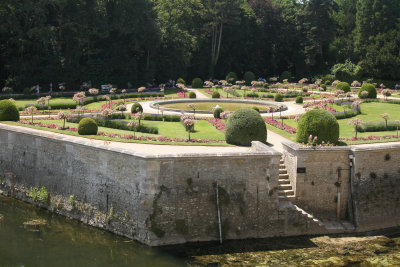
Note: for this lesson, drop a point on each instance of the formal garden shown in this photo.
(219, 112)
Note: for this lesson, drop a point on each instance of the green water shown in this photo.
(65, 242)
(59, 241)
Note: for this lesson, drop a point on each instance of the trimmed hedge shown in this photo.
(215, 94)
(378, 127)
(192, 95)
(172, 118)
(299, 100)
(253, 95)
(278, 98)
(87, 126)
(197, 83)
(245, 126)
(54, 106)
(231, 76)
(370, 88)
(8, 111)
(345, 87)
(217, 113)
(136, 108)
(248, 77)
(318, 123)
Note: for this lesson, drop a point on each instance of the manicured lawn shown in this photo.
(203, 129)
(208, 106)
(370, 113)
(22, 103)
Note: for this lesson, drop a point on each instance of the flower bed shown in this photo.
(280, 125)
(217, 123)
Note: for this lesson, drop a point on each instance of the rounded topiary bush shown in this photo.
(231, 77)
(320, 123)
(217, 113)
(323, 86)
(278, 98)
(328, 82)
(8, 111)
(136, 108)
(299, 100)
(87, 126)
(244, 126)
(215, 94)
(181, 80)
(369, 88)
(192, 95)
(343, 86)
(248, 77)
(197, 83)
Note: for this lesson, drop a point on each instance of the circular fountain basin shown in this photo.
(206, 106)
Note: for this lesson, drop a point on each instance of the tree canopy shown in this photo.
(134, 42)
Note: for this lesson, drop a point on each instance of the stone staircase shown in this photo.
(285, 189)
(286, 194)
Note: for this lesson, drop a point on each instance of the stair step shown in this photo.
(283, 171)
(282, 166)
(286, 193)
(285, 198)
(284, 181)
(284, 176)
(285, 187)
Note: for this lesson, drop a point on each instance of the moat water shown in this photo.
(30, 236)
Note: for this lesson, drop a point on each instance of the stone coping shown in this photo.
(355, 148)
(62, 138)
(191, 100)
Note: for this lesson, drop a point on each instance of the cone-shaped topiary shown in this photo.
(244, 126)
(8, 111)
(136, 108)
(367, 87)
(320, 123)
(217, 113)
(197, 83)
(345, 87)
(87, 126)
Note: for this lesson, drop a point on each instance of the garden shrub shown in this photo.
(323, 86)
(231, 77)
(299, 100)
(370, 88)
(278, 98)
(87, 126)
(252, 95)
(136, 108)
(245, 126)
(192, 95)
(181, 80)
(256, 109)
(197, 83)
(320, 123)
(285, 75)
(248, 77)
(328, 82)
(8, 111)
(216, 94)
(344, 86)
(305, 89)
(172, 118)
(217, 113)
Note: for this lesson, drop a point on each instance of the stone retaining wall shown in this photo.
(369, 182)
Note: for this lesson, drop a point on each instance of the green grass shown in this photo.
(208, 106)
(203, 130)
(23, 102)
(370, 113)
